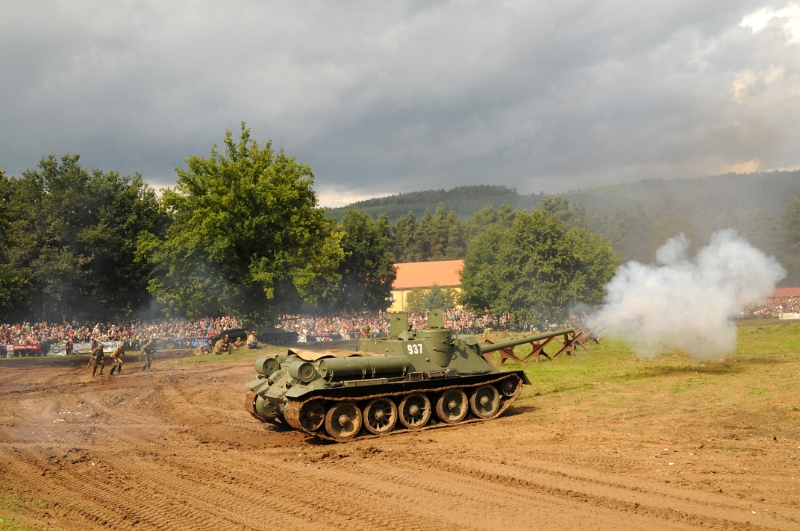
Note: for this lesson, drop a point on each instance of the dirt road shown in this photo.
(174, 450)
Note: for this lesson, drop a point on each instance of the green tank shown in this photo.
(415, 379)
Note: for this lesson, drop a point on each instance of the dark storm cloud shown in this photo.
(381, 97)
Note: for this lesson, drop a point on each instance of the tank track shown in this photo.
(292, 414)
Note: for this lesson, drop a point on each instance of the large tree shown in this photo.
(247, 236)
(69, 241)
(538, 268)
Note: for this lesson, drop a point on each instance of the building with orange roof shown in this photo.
(786, 292)
(423, 275)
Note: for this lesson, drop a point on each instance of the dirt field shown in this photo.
(174, 450)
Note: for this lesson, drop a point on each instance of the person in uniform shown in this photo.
(203, 349)
(148, 351)
(252, 342)
(238, 343)
(116, 359)
(97, 358)
(222, 346)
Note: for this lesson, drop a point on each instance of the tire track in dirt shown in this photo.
(161, 505)
(617, 498)
(427, 499)
(511, 506)
(726, 504)
(332, 499)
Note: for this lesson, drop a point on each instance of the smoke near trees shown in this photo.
(687, 302)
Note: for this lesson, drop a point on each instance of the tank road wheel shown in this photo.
(510, 385)
(312, 415)
(485, 401)
(380, 415)
(452, 406)
(415, 410)
(343, 420)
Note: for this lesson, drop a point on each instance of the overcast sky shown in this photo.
(381, 97)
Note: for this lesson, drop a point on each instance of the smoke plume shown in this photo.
(687, 304)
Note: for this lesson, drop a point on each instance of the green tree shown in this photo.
(367, 271)
(415, 300)
(789, 247)
(247, 236)
(454, 230)
(13, 282)
(572, 215)
(405, 243)
(437, 297)
(72, 241)
(501, 218)
(420, 299)
(481, 278)
(538, 268)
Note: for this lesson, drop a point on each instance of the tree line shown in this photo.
(241, 234)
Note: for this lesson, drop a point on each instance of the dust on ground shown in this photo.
(174, 449)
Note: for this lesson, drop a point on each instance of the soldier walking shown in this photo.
(116, 359)
(148, 351)
(98, 358)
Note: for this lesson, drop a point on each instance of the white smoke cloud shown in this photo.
(687, 304)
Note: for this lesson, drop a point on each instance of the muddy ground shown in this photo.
(174, 449)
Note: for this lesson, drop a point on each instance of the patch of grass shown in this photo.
(11, 504)
(10, 525)
(237, 355)
(611, 380)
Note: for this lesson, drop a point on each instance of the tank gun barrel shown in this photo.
(494, 347)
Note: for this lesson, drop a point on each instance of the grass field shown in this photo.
(755, 389)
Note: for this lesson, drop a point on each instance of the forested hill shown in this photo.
(464, 200)
(718, 194)
(700, 199)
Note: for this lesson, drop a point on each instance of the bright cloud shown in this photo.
(745, 79)
(749, 166)
(788, 18)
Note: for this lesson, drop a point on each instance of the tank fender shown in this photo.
(257, 385)
(523, 377)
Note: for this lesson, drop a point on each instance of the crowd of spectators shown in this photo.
(773, 307)
(133, 333)
(376, 324)
(180, 332)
